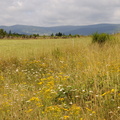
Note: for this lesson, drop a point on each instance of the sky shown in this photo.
(59, 12)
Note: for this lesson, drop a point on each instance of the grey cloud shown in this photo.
(59, 12)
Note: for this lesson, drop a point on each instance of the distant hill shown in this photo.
(101, 28)
(81, 30)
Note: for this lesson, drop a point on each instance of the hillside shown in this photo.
(81, 30)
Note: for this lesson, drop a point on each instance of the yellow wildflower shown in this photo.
(61, 99)
(29, 110)
(81, 118)
(47, 91)
(40, 83)
(34, 99)
(4, 94)
(112, 90)
(65, 109)
(21, 94)
(66, 117)
(75, 109)
(60, 73)
(93, 111)
(39, 105)
(90, 110)
(51, 83)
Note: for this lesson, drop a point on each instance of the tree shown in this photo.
(58, 34)
(2, 33)
(52, 35)
(10, 32)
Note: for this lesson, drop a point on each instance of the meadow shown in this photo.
(59, 79)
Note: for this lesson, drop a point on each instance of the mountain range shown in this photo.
(81, 30)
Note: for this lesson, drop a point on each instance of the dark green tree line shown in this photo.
(2, 33)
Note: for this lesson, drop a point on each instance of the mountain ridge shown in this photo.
(69, 29)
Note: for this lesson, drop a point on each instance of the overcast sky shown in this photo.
(59, 12)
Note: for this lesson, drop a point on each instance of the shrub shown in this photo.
(100, 37)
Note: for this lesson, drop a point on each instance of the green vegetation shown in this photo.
(100, 37)
(59, 79)
(2, 33)
(10, 35)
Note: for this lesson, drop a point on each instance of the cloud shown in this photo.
(59, 12)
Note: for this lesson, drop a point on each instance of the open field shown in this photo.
(59, 79)
(36, 47)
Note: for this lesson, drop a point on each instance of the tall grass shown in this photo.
(59, 79)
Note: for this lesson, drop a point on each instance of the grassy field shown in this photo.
(59, 79)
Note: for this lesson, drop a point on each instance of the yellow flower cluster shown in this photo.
(74, 110)
(65, 117)
(34, 99)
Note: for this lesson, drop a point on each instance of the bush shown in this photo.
(100, 37)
